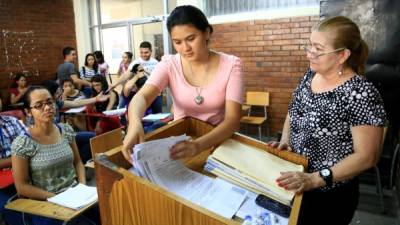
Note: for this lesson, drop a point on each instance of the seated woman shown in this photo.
(88, 71)
(70, 93)
(104, 124)
(18, 88)
(45, 158)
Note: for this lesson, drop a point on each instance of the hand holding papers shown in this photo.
(76, 197)
(152, 161)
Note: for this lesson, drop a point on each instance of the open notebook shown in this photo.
(76, 197)
(251, 168)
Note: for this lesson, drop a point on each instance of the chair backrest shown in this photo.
(257, 98)
(104, 142)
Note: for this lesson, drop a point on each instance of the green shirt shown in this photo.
(51, 167)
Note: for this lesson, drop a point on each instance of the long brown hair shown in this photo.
(346, 34)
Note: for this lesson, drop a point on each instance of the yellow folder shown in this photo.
(255, 166)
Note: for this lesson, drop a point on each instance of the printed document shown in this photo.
(76, 197)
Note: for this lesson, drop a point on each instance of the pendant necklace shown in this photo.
(199, 99)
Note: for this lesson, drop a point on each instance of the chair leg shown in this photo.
(379, 187)
(259, 131)
(393, 166)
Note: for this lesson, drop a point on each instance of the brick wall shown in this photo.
(272, 55)
(32, 36)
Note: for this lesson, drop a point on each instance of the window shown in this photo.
(224, 7)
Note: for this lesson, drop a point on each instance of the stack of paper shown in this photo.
(251, 168)
(152, 161)
(76, 197)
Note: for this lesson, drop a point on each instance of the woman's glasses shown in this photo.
(40, 105)
(141, 70)
(315, 54)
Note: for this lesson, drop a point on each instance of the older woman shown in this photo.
(335, 119)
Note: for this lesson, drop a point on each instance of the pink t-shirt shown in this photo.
(227, 85)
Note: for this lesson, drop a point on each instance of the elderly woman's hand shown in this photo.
(299, 181)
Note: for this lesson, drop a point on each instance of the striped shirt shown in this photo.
(87, 73)
(10, 128)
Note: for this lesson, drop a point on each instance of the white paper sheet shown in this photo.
(153, 162)
(155, 117)
(76, 197)
(115, 112)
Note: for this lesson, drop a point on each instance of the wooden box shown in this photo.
(131, 200)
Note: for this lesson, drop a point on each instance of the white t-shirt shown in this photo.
(148, 65)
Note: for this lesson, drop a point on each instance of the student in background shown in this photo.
(10, 128)
(90, 69)
(145, 60)
(103, 66)
(205, 84)
(70, 93)
(104, 124)
(18, 88)
(45, 158)
(67, 69)
(126, 61)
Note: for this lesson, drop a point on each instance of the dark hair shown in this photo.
(145, 44)
(129, 54)
(67, 51)
(66, 80)
(140, 82)
(51, 86)
(98, 55)
(135, 68)
(27, 95)
(100, 79)
(16, 78)
(346, 34)
(95, 66)
(187, 14)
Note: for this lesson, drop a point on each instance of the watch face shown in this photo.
(325, 172)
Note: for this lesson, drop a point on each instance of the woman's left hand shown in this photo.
(299, 181)
(184, 149)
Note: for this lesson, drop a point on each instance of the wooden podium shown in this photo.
(125, 198)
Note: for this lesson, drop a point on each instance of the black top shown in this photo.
(320, 122)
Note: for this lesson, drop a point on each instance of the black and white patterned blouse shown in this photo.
(320, 122)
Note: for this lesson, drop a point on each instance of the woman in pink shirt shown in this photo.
(205, 84)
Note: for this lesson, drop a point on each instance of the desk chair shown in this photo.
(256, 99)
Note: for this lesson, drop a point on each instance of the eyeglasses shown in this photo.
(315, 55)
(40, 105)
(141, 70)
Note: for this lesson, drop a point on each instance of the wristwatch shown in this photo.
(326, 175)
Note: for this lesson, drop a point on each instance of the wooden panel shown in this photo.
(44, 208)
(104, 142)
(130, 200)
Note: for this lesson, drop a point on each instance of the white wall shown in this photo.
(82, 29)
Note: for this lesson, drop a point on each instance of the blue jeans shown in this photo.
(11, 217)
(83, 142)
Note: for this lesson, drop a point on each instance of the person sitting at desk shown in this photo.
(336, 120)
(45, 158)
(70, 93)
(18, 88)
(104, 124)
(10, 128)
(205, 84)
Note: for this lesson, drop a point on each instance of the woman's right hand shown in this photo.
(135, 135)
(279, 145)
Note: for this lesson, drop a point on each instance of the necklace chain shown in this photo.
(199, 99)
